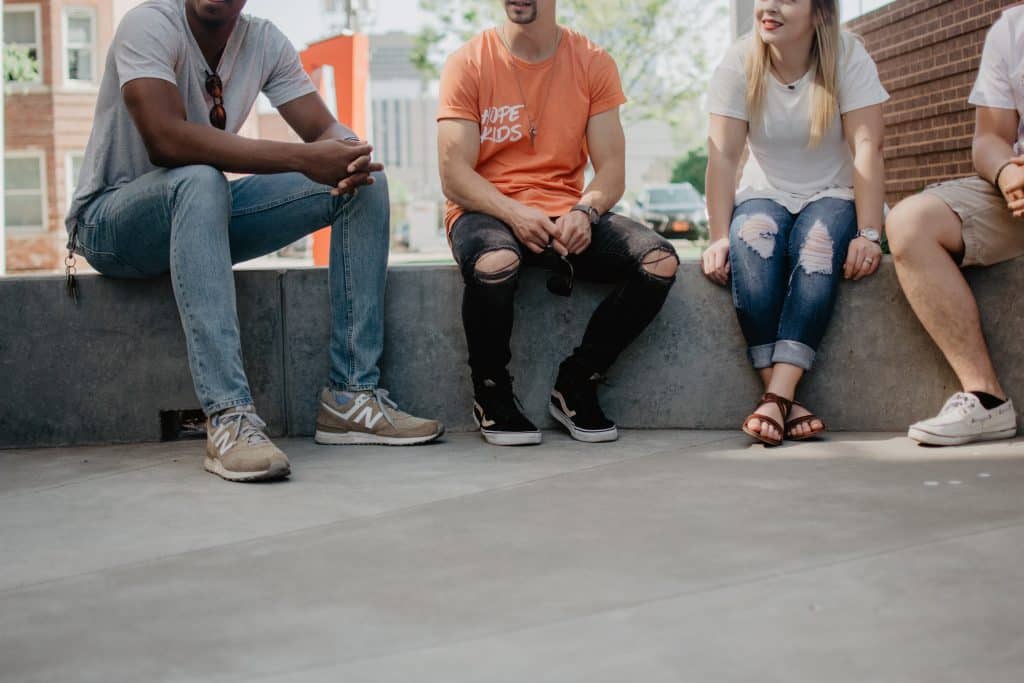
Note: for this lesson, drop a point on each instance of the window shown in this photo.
(851, 9)
(23, 33)
(72, 168)
(24, 191)
(80, 45)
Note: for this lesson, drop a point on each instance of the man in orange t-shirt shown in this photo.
(523, 106)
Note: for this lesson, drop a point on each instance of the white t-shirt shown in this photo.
(1000, 82)
(781, 166)
(154, 41)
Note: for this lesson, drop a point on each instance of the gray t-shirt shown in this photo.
(154, 41)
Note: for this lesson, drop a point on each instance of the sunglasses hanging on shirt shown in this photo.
(215, 89)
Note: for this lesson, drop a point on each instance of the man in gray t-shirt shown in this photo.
(181, 78)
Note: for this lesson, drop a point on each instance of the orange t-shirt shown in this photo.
(479, 83)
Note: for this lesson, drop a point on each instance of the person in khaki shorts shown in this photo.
(974, 221)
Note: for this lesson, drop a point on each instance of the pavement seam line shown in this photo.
(91, 478)
(352, 520)
(713, 588)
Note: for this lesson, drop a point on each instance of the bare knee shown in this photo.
(497, 266)
(661, 263)
(921, 221)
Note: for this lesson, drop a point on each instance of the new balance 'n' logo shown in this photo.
(367, 415)
(223, 440)
(368, 418)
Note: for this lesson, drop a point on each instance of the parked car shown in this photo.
(675, 210)
(623, 208)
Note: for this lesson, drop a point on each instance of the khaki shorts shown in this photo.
(991, 233)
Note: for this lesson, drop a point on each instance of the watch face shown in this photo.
(870, 234)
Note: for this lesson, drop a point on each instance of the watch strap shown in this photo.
(876, 240)
(592, 215)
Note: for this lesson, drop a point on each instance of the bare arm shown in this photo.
(310, 118)
(864, 131)
(607, 146)
(726, 139)
(313, 121)
(172, 141)
(458, 142)
(995, 132)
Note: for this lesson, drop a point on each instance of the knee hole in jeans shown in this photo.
(758, 232)
(817, 251)
(660, 262)
(496, 267)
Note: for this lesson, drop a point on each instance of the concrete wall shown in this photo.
(103, 371)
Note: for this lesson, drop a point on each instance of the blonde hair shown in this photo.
(824, 63)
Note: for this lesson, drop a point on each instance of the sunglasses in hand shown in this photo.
(562, 274)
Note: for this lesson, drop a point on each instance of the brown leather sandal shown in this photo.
(784, 405)
(806, 419)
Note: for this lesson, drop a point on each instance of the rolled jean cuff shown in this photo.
(224, 405)
(794, 353)
(351, 388)
(761, 356)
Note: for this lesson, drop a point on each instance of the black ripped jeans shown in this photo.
(616, 254)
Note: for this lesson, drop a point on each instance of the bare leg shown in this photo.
(782, 380)
(925, 237)
(797, 411)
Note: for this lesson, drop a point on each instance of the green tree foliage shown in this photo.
(19, 65)
(691, 169)
(663, 47)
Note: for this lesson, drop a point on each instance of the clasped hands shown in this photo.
(345, 165)
(570, 234)
(1011, 184)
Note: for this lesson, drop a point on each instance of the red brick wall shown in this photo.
(56, 119)
(927, 53)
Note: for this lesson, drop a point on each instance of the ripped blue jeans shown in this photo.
(785, 275)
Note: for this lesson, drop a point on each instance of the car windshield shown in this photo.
(681, 194)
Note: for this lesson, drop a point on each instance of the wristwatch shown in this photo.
(871, 235)
(591, 212)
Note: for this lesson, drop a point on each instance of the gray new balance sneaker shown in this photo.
(237, 449)
(370, 418)
(964, 420)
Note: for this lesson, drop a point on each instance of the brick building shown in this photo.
(48, 120)
(928, 52)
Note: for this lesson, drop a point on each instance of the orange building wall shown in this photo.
(350, 57)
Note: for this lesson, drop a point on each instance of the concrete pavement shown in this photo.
(668, 556)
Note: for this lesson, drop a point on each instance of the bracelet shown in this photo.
(995, 180)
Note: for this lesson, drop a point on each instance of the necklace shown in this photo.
(547, 85)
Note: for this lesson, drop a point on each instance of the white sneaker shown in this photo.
(963, 419)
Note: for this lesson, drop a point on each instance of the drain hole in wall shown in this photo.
(182, 424)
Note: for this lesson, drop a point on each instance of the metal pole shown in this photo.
(349, 16)
(3, 155)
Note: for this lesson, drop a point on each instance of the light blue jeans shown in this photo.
(195, 224)
(785, 275)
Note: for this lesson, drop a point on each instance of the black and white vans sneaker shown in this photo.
(574, 404)
(499, 416)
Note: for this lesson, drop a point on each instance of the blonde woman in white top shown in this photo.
(806, 99)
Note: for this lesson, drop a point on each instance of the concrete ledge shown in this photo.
(102, 372)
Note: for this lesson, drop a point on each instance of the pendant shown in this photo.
(533, 134)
